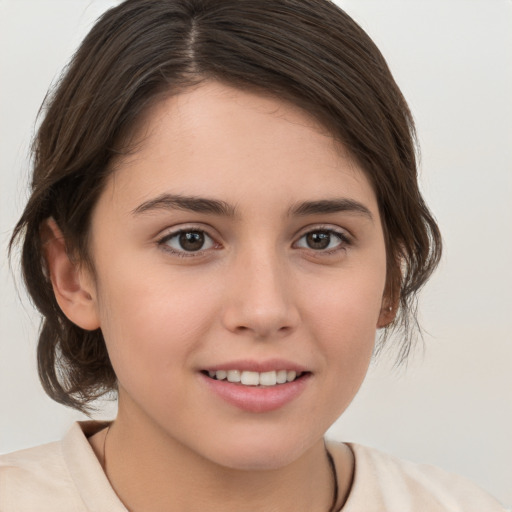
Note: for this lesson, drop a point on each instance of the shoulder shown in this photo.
(391, 484)
(57, 477)
(35, 479)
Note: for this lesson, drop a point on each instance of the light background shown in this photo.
(452, 405)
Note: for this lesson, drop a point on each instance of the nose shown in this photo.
(260, 298)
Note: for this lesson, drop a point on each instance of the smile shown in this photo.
(256, 392)
(250, 378)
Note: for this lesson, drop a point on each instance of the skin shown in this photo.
(256, 291)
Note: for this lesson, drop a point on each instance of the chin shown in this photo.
(256, 461)
(259, 453)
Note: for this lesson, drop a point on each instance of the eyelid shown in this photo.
(337, 230)
(184, 227)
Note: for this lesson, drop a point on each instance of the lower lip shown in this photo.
(257, 398)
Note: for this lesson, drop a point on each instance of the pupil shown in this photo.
(192, 240)
(318, 240)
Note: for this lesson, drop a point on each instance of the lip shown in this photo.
(258, 366)
(257, 399)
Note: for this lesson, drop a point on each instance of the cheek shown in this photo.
(343, 320)
(347, 303)
(151, 324)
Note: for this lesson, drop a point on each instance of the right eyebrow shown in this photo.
(187, 203)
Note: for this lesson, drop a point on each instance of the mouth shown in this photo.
(257, 386)
(255, 379)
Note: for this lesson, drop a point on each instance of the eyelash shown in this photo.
(163, 242)
(344, 241)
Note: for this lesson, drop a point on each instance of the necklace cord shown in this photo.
(334, 474)
(103, 459)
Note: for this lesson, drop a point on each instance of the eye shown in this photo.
(323, 240)
(187, 241)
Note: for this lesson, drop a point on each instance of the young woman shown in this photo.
(224, 210)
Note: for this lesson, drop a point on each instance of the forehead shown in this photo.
(217, 140)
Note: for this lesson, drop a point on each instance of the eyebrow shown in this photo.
(221, 208)
(187, 203)
(331, 206)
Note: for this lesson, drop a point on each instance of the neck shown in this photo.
(151, 472)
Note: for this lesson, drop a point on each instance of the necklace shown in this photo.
(103, 461)
(334, 474)
(332, 467)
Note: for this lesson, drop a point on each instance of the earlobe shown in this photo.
(388, 313)
(72, 286)
(391, 296)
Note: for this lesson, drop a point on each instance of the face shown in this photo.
(239, 241)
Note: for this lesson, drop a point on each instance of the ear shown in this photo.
(73, 287)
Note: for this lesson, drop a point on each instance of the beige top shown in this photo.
(66, 476)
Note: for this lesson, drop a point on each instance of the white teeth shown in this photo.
(281, 376)
(233, 376)
(248, 378)
(268, 379)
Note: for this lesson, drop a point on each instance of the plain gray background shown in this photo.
(452, 405)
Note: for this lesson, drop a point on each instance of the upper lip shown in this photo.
(252, 365)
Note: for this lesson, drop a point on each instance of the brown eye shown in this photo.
(322, 240)
(318, 240)
(187, 241)
(192, 240)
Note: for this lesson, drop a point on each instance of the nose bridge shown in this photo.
(260, 299)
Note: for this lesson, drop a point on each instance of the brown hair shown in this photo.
(308, 52)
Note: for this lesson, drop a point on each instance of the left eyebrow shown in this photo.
(330, 206)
